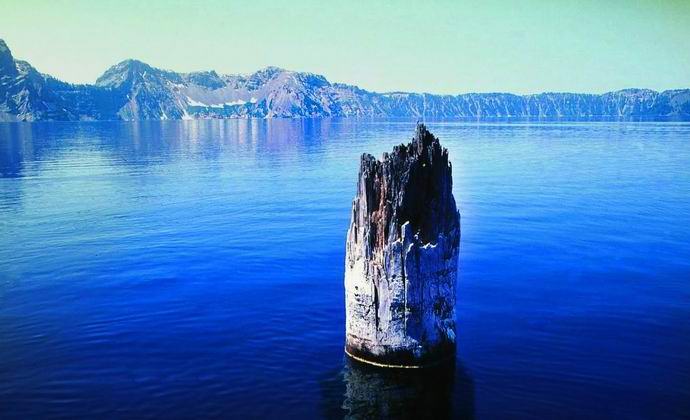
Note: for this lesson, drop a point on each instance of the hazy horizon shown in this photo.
(442, 48)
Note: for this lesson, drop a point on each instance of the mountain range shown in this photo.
(133, 90)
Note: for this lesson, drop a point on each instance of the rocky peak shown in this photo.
(207, 79)
(119, 73)
(263, 76)
(7, 66)
(125, 73)
(270, 71)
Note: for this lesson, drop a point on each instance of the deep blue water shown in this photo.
(195, 269)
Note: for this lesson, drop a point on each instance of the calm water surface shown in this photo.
(179, 269)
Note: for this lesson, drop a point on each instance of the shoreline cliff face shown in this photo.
(132, 90)
(402, 256)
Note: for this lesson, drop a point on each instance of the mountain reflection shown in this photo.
(364, 391)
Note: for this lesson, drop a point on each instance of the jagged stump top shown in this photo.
(412, 184)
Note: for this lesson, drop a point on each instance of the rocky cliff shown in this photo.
(133, 90)
(402, 256)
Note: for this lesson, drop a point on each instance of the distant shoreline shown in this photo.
(133, 90)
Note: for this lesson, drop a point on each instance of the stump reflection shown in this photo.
(441, 392)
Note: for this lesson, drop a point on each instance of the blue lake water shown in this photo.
(195, 269)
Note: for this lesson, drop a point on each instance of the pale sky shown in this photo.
(434, 46)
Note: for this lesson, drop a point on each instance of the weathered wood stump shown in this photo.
(402, 257)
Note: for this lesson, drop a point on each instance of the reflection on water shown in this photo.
(364, 391)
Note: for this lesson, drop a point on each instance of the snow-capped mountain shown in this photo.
(133, 90)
